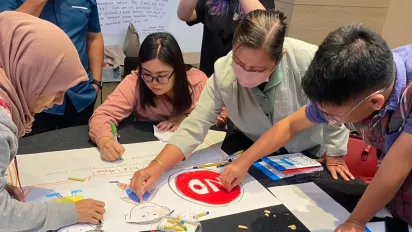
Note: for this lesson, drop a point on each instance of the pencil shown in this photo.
(211, 165)
(200, 215)
(242, 227)
(77, 179)
(239, 152)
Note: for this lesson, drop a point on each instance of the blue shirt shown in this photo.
(403, 61)
(76, 18)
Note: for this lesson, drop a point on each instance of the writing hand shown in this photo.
(90, 211)
(110, 150)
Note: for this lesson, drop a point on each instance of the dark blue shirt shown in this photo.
(403, 60)
(76, 18)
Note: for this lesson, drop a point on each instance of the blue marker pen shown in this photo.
(74, 192)
(135, 198)
(53, 195)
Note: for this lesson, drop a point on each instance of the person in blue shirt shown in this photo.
(79, 19)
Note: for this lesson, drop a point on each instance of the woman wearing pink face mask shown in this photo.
(259, 83)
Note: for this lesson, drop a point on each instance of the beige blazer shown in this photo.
(223, 89)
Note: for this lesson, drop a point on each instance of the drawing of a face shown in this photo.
(146, 213)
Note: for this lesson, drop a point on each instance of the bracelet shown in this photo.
(357, 224)
(160, 162)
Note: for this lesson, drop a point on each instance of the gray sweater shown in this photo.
(26, 216)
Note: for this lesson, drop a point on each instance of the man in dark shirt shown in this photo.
(219, 18)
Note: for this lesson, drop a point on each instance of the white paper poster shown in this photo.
(148, 16)
(182, 190)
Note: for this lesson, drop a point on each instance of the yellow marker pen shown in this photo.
(77, 179)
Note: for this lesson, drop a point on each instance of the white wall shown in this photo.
(397, 29)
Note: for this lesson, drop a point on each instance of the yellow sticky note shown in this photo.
(68, 199)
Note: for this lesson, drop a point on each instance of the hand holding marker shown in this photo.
(114, 133)
(135, 198)
(110, 148)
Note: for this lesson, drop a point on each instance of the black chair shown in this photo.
(130, 64)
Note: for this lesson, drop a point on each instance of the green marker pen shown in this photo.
(114, 133)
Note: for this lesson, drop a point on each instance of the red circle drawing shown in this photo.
(204, 186)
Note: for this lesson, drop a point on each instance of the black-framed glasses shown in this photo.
(160, 80)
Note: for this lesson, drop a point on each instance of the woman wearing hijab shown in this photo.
(38, 63)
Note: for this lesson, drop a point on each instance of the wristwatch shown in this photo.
(98, 83)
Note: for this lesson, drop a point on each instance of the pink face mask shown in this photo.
(249, 79)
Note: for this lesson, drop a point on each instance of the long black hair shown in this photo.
(164, 47)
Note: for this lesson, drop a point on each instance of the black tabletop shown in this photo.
(345, 193)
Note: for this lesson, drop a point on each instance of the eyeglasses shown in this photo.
(337, 121)
(160, 80)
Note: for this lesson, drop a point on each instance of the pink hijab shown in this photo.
(36, 59)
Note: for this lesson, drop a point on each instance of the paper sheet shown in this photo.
(183, 189)
(148, 16)
(57, 166)
(162, 136)
(165, 197)
(377, 226)
(314, 208)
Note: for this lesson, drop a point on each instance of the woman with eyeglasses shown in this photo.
(163, 89)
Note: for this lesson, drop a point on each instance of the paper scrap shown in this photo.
(163, 136)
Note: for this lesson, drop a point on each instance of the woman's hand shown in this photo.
(15, 192)
(234, 174)
(90, 211)
(143, 179)
(110, 150)
(171, 124)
